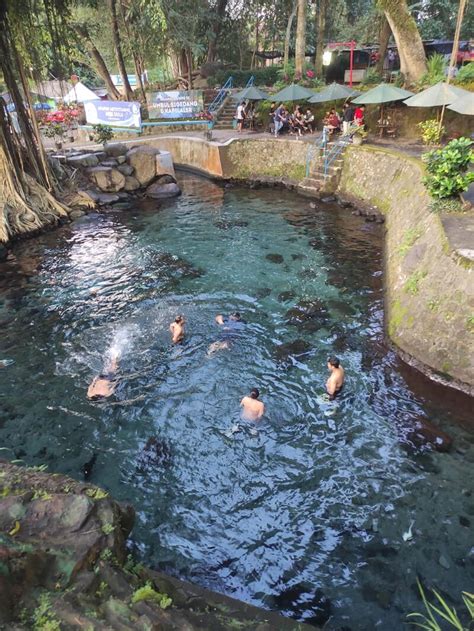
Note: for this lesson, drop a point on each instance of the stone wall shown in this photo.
(238, 158)
(429, 287)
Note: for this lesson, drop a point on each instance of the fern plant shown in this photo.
(436, 70)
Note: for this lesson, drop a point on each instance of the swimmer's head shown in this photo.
(235, 316)
(179, 319)
(334, 362)
(254, 393)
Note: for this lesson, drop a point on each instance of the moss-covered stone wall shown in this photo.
(429, 288)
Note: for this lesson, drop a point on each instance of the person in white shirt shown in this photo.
(240, 116)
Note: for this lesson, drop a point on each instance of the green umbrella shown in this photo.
(439, 94)
(383, 93)
(292, 92)
(251, 94)
(463, 105)
(333, 92)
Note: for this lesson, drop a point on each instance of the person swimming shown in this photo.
(253, 409)
(177, 329)
(232, 322)
(336, 379)
(103, 385)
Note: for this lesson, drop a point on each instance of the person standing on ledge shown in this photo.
(253, 409)
(336, 379)
(177, 329)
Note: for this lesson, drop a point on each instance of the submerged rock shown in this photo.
(227, 225)
(263, 292)
(286, 296)
(275, 258)
(303, 602)
(285, 351)
(308, 312)
(156, 453)
(426, 434)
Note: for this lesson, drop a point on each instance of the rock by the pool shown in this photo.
(426, 434)
(109, 162)
(115, 149)
(105, 199)
(131, 183)
(108, 179)
(126, 169)
(143, 160)
(275, 258)
(286, 296)
(306, 312)
(285, 351)
(76, 214)
(157, 190)
(83, 160)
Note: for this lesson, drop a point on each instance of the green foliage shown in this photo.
(372, 77)
(40, 494)
(431, 132)
(262, 76)
(409, 238)
(102, 133)
(447, 205)
(447, 169)
(412, 285)
(108, 528)
(96, 494)
(470, 324)
(149, 594)
(436, 66)
(466, 74)
(43, 618)
(441, 611)
(101, 590)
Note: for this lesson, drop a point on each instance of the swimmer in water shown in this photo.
(253, 409)
(233, 321)
(103, 385)
(336, 379)
(177, 329)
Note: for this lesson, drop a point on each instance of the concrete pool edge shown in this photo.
(428, 283)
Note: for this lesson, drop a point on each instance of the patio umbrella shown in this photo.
(292, 92)
(438, 95)
(383, 93)
(333, 92)
(251, 94)
(463, 105)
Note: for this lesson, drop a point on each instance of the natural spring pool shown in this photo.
(317, 501)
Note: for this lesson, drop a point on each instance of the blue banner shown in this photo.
(175, 104)
(113, 113)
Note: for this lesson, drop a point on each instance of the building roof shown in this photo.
(52, 89)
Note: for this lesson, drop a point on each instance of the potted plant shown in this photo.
(55, 131)
(102, 134)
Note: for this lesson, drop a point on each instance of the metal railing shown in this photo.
(338, 147)
(220, 96)
(250, 82)
(315, 147)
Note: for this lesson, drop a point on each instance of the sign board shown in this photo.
(113, 113)
(357, 75)
(175, 104)
(118, 81)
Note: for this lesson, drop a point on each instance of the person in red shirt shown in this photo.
(359, 116)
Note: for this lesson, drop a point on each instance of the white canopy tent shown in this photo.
(80, 93)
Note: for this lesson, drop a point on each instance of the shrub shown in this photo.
(431, 131)
(436, 65)
(102, 133)
(372, 77)
(466, 73)
(447, 169)
(262, 76)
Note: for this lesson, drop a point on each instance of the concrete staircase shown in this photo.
(225, 116)
(319, 182)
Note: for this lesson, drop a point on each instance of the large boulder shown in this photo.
(143, 160)
(164, 163)
(108, 179)
(160, 190)
(115, 149)
(83, 160)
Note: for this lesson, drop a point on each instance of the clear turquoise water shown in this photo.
(318, 500)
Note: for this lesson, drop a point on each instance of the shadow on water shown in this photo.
(304, 513)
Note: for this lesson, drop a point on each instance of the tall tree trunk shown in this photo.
(98, 62)
(321, 31)
(255, 50)
(408, 40)
(384, 36)
(300, 48)
(189, 57)
(289, 25)
(216, 30)
(118, 50)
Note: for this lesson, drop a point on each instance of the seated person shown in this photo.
(309, 121)
(103, 385)
(332, 121)
(253, 409)
(336, 379)
(177, 329)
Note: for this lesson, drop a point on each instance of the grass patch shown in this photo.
(409, 238)
(447, 205)
(412, 285)
(149, 594)
(470, 324)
